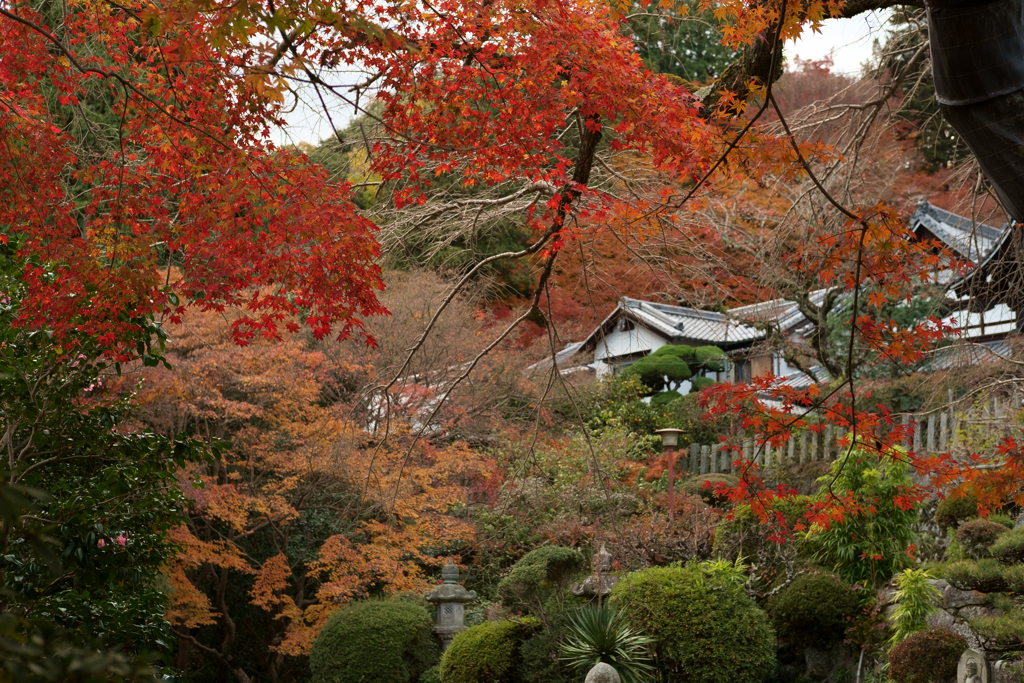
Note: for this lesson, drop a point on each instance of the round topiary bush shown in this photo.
(927, 657)
(1009, 547)
(488, 652)
(695, 486)
(390, 642)
(950, 512)
(706, 629)
(814, 610)
(977, 535)
(542, 574)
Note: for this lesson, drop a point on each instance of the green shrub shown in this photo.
(869, 544)
(1001, 518)
(1003, 631)
(700, 383)
(675, 363)
(1014, 578)
(985, 575)
(977, 535)
(706, 629)
(431, 675)
(543, 574)
(664, 398)
(488, 653)
(539, 661)
(915, 599)
(814, 610)
(950, 512)
(927, 657)
(695, 486)
(746, 536)
(1009, 548)
(390, 642)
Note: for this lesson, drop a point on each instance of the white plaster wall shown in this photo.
(623, 343)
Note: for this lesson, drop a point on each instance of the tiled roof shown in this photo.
(782, 312)
(965, 354)
(679, 324)
(562, 358)
(973, 241)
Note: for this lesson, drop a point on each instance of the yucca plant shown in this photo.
(600, 634)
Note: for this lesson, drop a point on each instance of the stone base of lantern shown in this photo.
(446, 634)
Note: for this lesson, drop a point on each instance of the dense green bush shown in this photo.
(985, 575)
(539, 661)
(950, 512)
(695, 486)
(389, 642)
(706, 629)
(1004, 628)
(675, 363)
(915, 599)
(431, 675)
(488, 653)
(927, 657)
(543, 574)
(869, 544)
(977, 535)
(1009, 547)
(1002, 518)
(745, 536)
(814, 610)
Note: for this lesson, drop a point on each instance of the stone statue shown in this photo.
(972, 668)
(601, 581)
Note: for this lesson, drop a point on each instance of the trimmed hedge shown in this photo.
(706, 629)
(950, 512)
(389, 642)
(489, 652)
(814, 610)
(977, 535)
(927, 657)
(541, 574)
(986, 575)
(1009, 547)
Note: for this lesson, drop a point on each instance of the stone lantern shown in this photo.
(450, 597)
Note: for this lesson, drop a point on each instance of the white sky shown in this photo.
(848, 41)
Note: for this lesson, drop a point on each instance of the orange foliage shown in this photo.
(295, 458)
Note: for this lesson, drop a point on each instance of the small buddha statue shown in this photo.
(599, 583)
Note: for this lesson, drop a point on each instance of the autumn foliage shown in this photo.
(152, 219)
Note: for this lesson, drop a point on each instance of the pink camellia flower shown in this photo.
(100, 543)
(121, 540)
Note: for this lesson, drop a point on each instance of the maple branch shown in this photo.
(759, 60)
(125, 83)
(532, 249)
(541, 187)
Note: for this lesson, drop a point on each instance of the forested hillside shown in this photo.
(255, 398)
